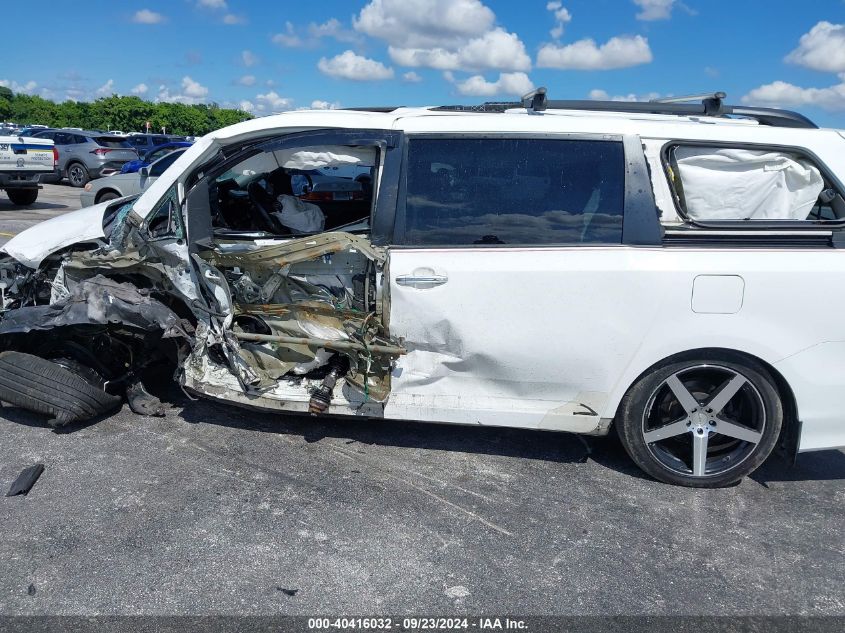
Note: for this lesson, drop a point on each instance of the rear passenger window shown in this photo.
(714, 184)
(513, 191)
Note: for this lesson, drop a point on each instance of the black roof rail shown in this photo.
(374, 108)
(709, 105)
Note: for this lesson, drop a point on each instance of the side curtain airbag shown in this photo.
(742, 184)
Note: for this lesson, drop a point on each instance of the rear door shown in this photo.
(509, 280)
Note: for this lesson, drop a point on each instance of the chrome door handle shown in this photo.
(421, 283)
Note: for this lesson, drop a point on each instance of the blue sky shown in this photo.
(271, 55)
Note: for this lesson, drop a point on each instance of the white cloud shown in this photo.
(334, 29)
(190, 92)
(232, 19)
(618, 52)
(562, 17)
(246, 80)
(507, 84)
(314, 33)
(654, 9)
(424, 23)
(107, 89)
(212, 4)
(27, 88)
(823, 48)
(324, 105)
(496, 49)
(140, 89)
(272, 102)
(602, 95)
(246, 105)
(349, 65)
(442, 34)
(145, 16)
(249, 59)
(191, 88)
(289, 37)
(781, 93)
(411, 77)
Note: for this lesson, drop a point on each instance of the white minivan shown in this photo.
(672, 271)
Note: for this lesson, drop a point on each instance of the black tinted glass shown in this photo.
(159, 167)
(514, 191)
(113, 142)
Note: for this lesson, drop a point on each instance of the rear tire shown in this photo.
(22, 197)
(77, 175)
(705, 422)
(43, 386)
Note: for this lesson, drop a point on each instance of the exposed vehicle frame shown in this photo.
(694, 358)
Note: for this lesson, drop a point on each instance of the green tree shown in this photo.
(129, 114)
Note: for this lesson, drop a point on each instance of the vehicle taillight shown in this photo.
(101, 151)
(55, 157)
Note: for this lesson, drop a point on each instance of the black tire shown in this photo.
(687, 449)
(77, 175)
(42, 386)
(22, 197)
(105, 196)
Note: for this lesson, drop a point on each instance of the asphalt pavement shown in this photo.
(219, 510)
(52, 200)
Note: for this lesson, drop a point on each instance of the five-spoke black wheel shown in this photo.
(705, 422)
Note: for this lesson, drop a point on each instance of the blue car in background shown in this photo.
(152, 155)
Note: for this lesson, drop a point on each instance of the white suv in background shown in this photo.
(671, 271)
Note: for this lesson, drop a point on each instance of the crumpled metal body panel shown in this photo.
(294, 251)
(103, 301)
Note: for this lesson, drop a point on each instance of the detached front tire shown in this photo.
(703, 423)
(61, 389)
(22, 197)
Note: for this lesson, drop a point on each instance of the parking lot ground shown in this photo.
(52, 200)
(214, 509)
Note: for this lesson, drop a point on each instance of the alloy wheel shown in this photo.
(703, 420)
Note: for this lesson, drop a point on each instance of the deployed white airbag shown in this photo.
(741, 184)
(324, 156)
(299, 216)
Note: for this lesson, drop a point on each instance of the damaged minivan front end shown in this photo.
(287, 320)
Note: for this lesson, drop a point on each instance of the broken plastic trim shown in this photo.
(26, 480)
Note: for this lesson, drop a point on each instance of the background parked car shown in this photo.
(87, 154)
(121, 185)
(151, 156)
(146, 142)
(32, 130)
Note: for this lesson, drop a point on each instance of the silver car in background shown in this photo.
(88, 154)
(120, 185)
